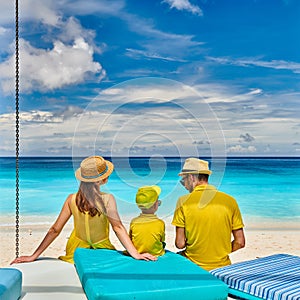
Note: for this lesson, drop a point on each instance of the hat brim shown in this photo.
(207, 172)
(110, 168)
(146, 205)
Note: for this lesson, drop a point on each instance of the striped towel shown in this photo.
(275, 277)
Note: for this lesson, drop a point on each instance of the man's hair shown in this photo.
(202, 177)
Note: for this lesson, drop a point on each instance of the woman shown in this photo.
(92, 211)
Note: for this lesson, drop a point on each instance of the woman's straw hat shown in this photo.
(93, 169)
(195, 166)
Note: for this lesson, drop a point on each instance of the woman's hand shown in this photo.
(146, 256)
(23, 259)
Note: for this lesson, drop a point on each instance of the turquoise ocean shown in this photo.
(266, 189)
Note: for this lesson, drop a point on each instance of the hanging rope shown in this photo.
(17, 128)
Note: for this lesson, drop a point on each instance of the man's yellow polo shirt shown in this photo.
(147, 233)
(208, 216)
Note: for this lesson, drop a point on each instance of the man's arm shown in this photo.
(238, 239)
(180, 238)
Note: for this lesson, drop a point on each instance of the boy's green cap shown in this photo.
(147, 195)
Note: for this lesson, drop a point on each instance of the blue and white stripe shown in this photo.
(275, 277)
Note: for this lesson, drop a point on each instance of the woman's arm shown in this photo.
(51, 235)
(121, 233)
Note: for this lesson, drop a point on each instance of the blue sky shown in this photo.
(172, 77)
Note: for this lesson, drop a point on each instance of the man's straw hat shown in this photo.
(93, 169)
(195, 166)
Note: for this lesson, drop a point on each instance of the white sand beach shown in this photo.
(261, 240)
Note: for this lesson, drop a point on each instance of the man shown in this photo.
(206, 219)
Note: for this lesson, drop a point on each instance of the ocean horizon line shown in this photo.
(161, 156)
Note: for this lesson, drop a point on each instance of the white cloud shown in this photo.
(273, 64)
(142, 115)
(43, 11)
(71, 30)
(141, 53)
(7, 12)
(172, 130)
(157, 43)
(2, 30)
(142, 90)
(177, 115)
(63, 32)
(6, 39)
(241, 149)
(185, 5)
(47, 69)
(91, 7)
(255, 92)
(145, 27)
(50, 12)
(69, 61)
(42, 132)
(247, 138)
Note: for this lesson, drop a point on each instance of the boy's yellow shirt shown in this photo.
(147, 233)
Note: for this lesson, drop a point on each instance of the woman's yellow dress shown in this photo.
(89, 232)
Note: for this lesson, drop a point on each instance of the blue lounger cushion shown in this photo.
(10, 284)
(275, 277)
(108, 274)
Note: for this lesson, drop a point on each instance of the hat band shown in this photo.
(188, 170)
(95, 176)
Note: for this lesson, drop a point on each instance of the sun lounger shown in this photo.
(275, 277)
(10, 284)
(50, 279)
(108, 274)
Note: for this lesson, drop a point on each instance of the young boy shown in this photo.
(147, 231)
